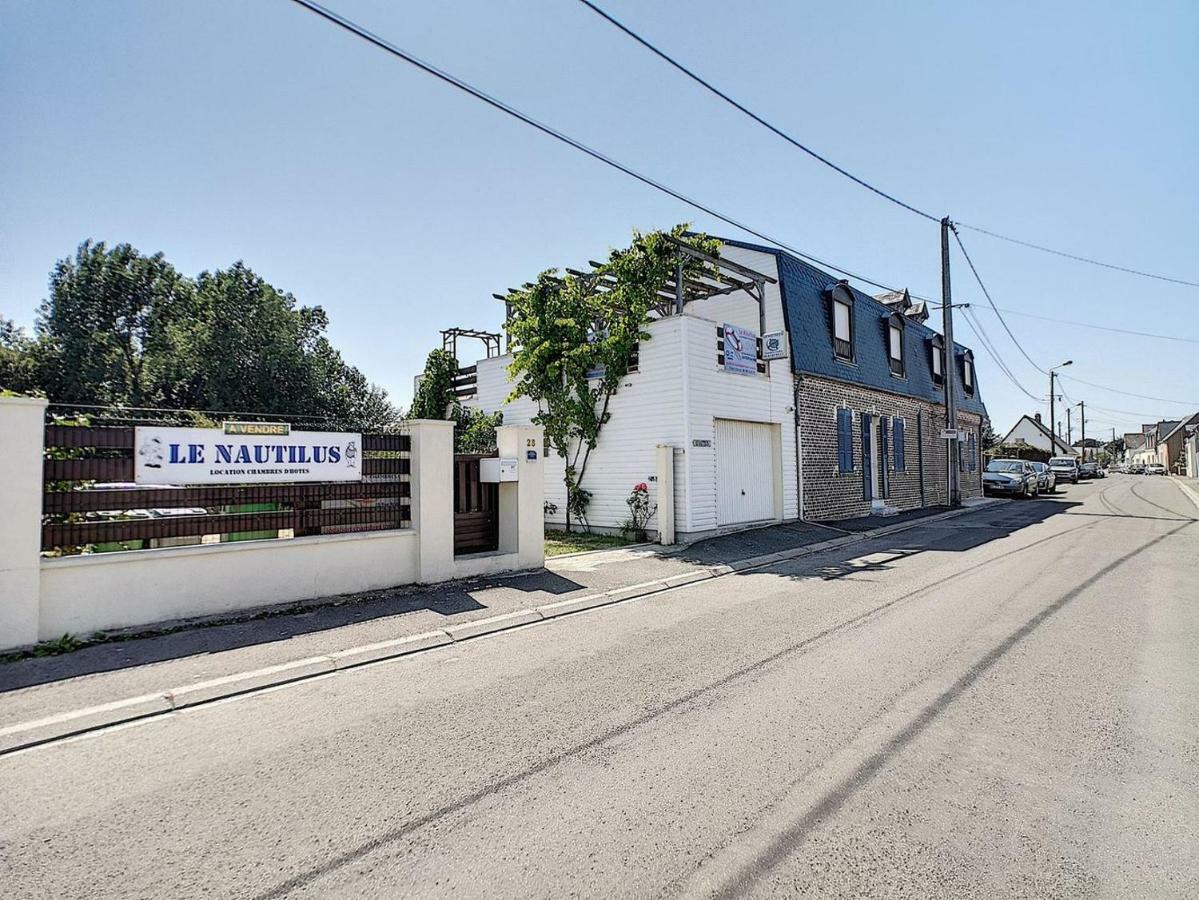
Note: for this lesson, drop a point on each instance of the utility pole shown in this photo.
(951, 404)
(1069, 427)
(1082, 417)
(1052, 420)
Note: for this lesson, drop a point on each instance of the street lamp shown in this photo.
(1052, 427)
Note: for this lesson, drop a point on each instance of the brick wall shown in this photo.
(832, 494)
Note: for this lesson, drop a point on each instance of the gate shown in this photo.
(476, 507)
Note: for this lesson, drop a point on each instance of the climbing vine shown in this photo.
(574, 343)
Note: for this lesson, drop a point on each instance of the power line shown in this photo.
(1148, 334)
(387, 46)
(661, 54)
(976, 327)
(765, 124)
(1085, 259)
(987, 294)
(1130, 393)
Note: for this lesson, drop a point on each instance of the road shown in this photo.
(1001, 705)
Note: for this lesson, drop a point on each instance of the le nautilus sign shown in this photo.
(211, 456)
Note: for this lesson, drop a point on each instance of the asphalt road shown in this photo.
(1001, 705)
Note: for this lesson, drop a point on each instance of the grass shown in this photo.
(560, 542)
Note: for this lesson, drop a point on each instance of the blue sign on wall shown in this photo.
(740, 350)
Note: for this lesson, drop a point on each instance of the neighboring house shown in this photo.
(1171, 444)
(1135, 443)
(844, 422)
(1192, 451)
(1031, 431)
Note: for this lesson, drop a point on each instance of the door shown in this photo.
(476, 507)
(744, 471)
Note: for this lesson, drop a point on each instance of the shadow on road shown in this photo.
(276, 624)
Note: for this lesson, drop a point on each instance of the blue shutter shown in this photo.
(844, 440)
(900, 458)
(867, 449)
(884, 456)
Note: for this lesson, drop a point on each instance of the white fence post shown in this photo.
(522, 503)
(22, 437)
(665, 459)
(432, 501)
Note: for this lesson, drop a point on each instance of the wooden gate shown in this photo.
(476, 507)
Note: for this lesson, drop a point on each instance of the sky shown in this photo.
(219, 130)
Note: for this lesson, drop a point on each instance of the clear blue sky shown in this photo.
(217, 131)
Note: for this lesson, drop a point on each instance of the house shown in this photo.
(1145, 448)
(1032, 432)
(840, 417)
(1171, 444)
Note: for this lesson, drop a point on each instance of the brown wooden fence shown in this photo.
(89, 497)
(476, 507)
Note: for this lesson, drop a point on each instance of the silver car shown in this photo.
(1046, 480)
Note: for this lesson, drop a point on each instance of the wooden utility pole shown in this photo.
(953, 489)
(1082, 416)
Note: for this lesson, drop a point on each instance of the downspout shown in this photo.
(798, 451)
(686, 422)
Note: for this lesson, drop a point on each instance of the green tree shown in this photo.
(123, 329)
(19, 359)
(574, 343)
(105, 324)
(434, 397)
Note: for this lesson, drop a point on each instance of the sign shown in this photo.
(531, 455)
(740, 350)
(774, 345)
(950, 434)
(210, 456)
(701, 442)
(257, 428)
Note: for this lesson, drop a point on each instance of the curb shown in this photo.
(1187, 489)
(24, 735)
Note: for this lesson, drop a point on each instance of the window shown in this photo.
(844, 440)
(938, 359)
(842, 301)
(895, 344)
(968, 372)
(897, 434)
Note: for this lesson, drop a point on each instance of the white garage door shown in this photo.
(744, 472)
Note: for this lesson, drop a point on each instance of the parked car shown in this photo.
(1155, 469)
(1065, 468)
(1046, 480)
(1136, 469)
(1013, 477)
(1088, 470)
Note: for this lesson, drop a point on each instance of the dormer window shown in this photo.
(842, 302)
(968, 372)
(895, 344)
(938, 359)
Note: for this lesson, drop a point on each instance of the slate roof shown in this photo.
(1134, 440)
(807, 314)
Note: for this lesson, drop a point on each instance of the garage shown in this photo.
(745, 471)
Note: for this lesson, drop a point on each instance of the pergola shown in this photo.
(676, 292)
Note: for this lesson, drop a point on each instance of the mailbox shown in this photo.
(495, 470)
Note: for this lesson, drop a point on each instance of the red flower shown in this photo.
(642, 487)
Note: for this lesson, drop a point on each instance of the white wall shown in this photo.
(41, 599)
(82, 594)
(717, 394)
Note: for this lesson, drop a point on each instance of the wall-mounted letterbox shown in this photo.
(494, 470)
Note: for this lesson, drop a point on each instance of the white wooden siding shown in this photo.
(646, 411)
(717, 394)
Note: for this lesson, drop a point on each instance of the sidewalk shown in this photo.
(201, 661)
